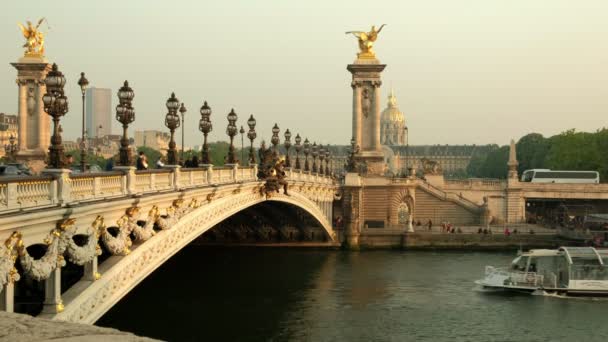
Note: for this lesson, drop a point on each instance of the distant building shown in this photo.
(393, 130)
(98, 108)
(153, 139)
(8, 128)
(399, 155)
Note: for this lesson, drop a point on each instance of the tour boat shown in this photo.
(570, 271)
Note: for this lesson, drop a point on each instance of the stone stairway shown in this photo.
(439, 206)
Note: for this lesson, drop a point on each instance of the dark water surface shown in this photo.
(254, 294)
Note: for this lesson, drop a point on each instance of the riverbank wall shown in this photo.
(386, 238)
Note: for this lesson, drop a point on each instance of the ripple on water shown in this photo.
(336, 296)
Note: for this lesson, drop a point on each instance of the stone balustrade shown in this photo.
(475, 183)
(29, 193)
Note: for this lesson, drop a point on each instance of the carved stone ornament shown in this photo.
(366, 101)
(8, 256)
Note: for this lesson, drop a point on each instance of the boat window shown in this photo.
(589, 272)
(519, 264)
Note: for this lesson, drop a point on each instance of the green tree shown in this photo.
(573, 150)
(531, 152)
(91, 159)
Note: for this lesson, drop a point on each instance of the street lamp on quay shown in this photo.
(314, 157)
(11, 148)
(275, 139)
(321, 158)
(83, 83)
(205, 126)
(251, 135)
(306, 152)
(298, 147)
(182, 111)
(287, 144)
(172, 122)
(125, 114)
(242, 131)
(231, 131)
(56, 105)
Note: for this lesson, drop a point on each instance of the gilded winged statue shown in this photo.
(366, 41)
(34, 38)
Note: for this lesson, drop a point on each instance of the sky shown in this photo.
(464, 72)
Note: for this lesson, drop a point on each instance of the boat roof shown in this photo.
(541, 252)
(582, 253)
(571, 253)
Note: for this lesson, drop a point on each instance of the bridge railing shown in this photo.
(27, 192)
(32, 192)
(308, 176)
(94, 186)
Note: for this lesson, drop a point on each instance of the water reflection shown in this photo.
(302, 295)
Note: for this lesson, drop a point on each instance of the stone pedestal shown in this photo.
(64, 189)
(7, 297)
(34, 124)
(366, 113)
(128, 185)
(52, 293)
(176, 172)
(352, 221)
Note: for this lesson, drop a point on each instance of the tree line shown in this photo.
(569, 150)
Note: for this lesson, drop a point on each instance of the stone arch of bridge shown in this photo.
(87, 302)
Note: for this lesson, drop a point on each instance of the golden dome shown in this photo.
(392, 114)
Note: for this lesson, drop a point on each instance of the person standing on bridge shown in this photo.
(142, 162)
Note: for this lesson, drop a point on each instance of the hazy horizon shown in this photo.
(468, 72)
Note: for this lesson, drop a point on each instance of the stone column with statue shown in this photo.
(34, 124)
(366, 82)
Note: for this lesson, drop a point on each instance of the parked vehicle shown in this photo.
(552, 176)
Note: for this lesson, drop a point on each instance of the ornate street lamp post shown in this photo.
(182, 111)
(172, 122)
(242, 131)
(306, 152)
(327, 162)
(275, 139)
(205, 126)
(314, 157)
(321, 158)
(11, 148)
(298, 147)
(125, 114)
(287, 144)
(83, 83)
(231, 131)
(55, 105)
(251, 135)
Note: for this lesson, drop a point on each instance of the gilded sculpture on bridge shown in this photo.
(34, 38)
(272, 170)
(366, 41)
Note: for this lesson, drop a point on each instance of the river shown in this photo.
(257, 294)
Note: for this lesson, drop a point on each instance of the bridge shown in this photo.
(84, 241)
(141, 218)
